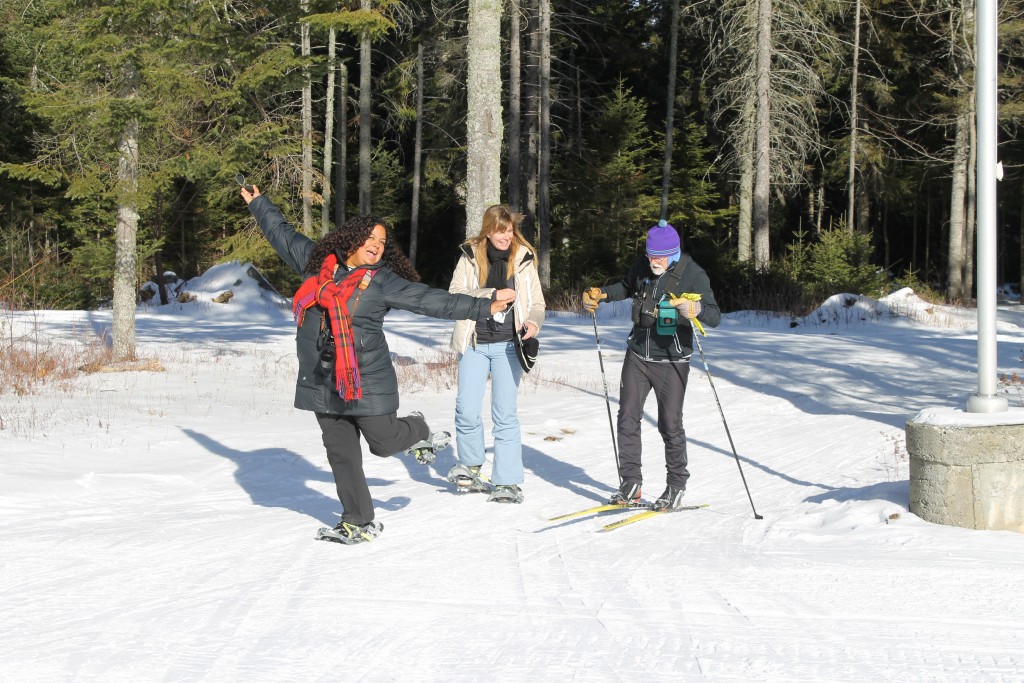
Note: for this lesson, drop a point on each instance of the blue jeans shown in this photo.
(500, 361)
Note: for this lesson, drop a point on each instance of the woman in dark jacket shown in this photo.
(355, 275)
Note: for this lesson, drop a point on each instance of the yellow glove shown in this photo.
(689, 306)
(591, 297)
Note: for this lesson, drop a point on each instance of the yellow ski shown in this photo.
(619, 523)
(596, 510)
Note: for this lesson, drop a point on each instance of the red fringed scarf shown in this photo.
(333, 297)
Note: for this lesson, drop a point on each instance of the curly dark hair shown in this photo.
(344, 240)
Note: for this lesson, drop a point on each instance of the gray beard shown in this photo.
(658, 269)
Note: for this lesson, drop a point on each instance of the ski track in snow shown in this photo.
(159, 526)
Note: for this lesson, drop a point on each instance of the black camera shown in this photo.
(327, 354)
(240, 179)
(325, 368)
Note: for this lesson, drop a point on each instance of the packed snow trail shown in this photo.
(159, 526)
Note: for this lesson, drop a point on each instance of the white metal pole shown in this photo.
(987, 40)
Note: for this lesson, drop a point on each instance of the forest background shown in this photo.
(801, 147)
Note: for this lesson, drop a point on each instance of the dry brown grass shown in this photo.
(564, 300)
(437, 370)
(30, 360)
(26, 364)
(1012, 386)
(137, 365)
(433, 370)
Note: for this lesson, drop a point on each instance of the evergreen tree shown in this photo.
(615, 195)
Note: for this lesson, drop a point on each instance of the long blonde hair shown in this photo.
(497, 218)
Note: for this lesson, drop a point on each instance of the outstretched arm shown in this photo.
(291, 245)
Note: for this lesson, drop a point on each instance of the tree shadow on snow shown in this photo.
(897, 492)
(278, 478)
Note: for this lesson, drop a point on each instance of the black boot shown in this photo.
(671, 499)
(628, 494)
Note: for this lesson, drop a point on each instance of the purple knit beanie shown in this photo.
(662, 241)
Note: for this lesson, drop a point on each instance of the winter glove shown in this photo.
(689, 306)
(591, 297)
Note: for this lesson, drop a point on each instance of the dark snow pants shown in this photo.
(669, 383)
(385, 434)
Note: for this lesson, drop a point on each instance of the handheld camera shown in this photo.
(240, 179)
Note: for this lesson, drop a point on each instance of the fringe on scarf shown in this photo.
(321, 290)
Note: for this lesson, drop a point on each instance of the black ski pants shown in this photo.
(669, 383)
(385, 434)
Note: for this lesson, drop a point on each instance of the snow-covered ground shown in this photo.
(158, 526)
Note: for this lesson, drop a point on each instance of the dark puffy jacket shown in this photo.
(314, 387)
(647, 289)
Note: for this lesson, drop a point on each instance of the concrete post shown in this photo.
(967, 475)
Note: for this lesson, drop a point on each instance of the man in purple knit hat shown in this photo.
(657, 356)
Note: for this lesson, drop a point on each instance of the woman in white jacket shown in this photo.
(497, 259)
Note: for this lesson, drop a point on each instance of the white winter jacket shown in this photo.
(529, 304)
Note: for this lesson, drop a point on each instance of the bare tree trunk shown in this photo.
(484, 128)
(515, 109)
(579, 109)
(955, 260)
(544, 172)
(812, 209)
(1020, 231)
(666, 169)
(862, 213)
(158, 267)
(821, 206)
(365, 148)
(744, 234)
(307, 128)
(927, 230)
(125, 234)
(417, 158)
(532, 117)
(341, 154)
(851, 172)
(914, 228)
(971, 204)
(325, 207)
(885, 234)
(762, 137)
(158, 255)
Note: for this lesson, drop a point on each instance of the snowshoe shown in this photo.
(350, 534)
(467, 478)
(506, 493)
(426, 451)
(627, 495)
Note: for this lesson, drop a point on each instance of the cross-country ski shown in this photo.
(647, 514)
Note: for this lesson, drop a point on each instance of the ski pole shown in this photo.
(607, 401)
(704, 360)
(697, 327)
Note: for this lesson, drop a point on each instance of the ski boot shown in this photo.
(467, 478)
(671, 499)
(628, 494)
(506, 493)
(350, 534)
(426, 451)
